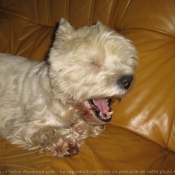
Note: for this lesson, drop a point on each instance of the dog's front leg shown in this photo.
(60, 142)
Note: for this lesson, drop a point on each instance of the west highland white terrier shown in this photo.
(55, 104)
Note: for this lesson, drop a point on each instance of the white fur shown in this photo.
(43, 104)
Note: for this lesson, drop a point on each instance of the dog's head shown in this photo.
(90, 67)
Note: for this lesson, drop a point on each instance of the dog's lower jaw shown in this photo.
(89, 114)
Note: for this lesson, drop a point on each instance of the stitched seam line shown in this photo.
(48, 12)
(10, 32)
(26, 19)
(152, 30)
(124, 12)
(168, 141)
(92, 11)
(111, 20)
(37, 12)
(67, 9)
(34, 43)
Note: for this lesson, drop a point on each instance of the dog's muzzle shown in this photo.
(98, 110)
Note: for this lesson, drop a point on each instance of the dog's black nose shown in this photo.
(125, 81)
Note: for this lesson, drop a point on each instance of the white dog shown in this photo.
(54, 105)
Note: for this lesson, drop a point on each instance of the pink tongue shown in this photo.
(103, 107)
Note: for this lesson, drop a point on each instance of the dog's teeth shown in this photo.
(107, 101)
(93, 101)
(110, 113)
(70, 108)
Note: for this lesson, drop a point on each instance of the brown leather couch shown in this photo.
(140, 139)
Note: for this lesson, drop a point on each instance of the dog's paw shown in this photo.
(66, 149)
(72, 150)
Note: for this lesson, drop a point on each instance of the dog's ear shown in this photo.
(101, 26)
(64, 30)
(98, 23)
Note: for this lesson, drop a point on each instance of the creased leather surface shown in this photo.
(27, 27)
(149, 109)
(124, 152)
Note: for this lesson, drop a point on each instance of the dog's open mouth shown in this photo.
(101, 108)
